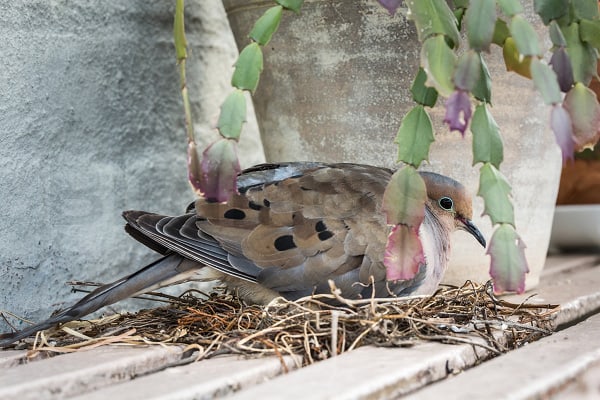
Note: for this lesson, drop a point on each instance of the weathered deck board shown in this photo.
(70, 374)
(385, 373)
(537, 370)
(368, 372)
(202, 380)
(586, 386)
(572, 281)
(576, 289)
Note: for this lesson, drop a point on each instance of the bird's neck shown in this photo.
(435, 238)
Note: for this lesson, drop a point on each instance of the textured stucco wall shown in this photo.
(91, 124)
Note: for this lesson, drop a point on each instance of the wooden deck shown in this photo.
(565, 365)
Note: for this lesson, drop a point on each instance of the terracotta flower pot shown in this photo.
(336, 84)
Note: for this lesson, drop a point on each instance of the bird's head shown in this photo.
(451, 203)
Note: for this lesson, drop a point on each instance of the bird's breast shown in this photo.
(436, 250)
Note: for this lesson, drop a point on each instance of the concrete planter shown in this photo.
(92, 124)
(336, 86)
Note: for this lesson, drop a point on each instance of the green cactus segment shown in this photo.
(508, 264)
(481, 20)
(495, 191)
(513, 59)
(584, 9)
(525, 36)
(422, 94)
(549, 10)
(266, 25)
(404, 198)
(556, 35)
(510, 7)
(545, 82)
(487, 143)
(248, 68)
(467, 71)
(434, 17)
(583, 56)
(589, 32)
(501, 32)
(583, 107)
(293, 5)
(233, 115)
(483, 88)
(415, 136)
(439, 61)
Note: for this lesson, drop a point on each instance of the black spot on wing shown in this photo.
(285, 242)
(254, 206)
(325, 235)
(234, 213)
(320, 226)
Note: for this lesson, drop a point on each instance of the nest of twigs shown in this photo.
(317, 327)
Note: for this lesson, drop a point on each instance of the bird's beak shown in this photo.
(468, 226)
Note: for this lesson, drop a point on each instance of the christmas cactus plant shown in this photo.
(455, 38)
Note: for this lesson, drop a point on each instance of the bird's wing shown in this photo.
(291, 228)
(181, 235)
(305, 224)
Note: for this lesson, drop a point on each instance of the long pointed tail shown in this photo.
(165, 271)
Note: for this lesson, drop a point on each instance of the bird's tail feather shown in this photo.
(162, 272)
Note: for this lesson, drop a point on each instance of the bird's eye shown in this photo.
(446, 203)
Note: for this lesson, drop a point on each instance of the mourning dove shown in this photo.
(291, 229)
